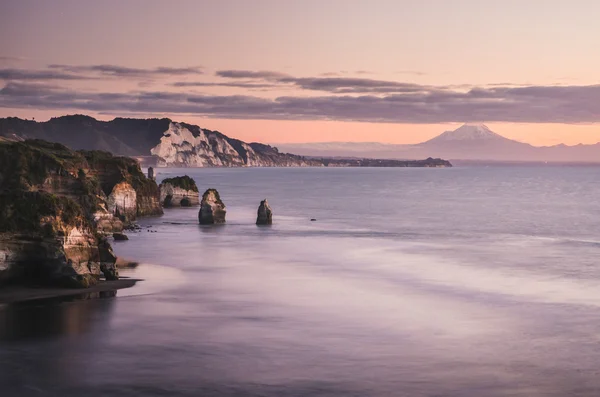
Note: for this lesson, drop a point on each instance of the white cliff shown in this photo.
(184, 146)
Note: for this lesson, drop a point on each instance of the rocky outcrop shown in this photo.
(184, 145)
(180, 191)
(47, 239)
(212, 209)
(55, 205)
(120, 237)
(115, 176)
(265, 215)
(122, 201)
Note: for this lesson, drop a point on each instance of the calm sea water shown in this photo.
(412, 282)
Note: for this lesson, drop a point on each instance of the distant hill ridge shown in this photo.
(167, 143)
(468, 142)
(171, 143)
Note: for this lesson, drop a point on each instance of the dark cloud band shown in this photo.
(549, 104)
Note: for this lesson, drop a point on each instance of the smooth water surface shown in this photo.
(411, 282)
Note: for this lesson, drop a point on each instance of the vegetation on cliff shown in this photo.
(182, 182)
(112, 170)
(26, 212)
(212, 192)
(51, 200)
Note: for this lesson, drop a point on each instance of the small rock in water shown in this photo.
(312, 219)
(265, 215)
(120, 237)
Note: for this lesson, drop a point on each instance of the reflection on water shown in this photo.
(49, 317)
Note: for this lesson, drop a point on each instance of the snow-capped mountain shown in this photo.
(468, 132)
(468, 142)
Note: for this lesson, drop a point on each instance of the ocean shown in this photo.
(465, 281)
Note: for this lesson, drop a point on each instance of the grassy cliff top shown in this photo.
(22, 212)
(26, 165)
(208, 192)
(183, 182)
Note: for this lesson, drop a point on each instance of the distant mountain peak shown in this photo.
(468, 132)
(479, 126)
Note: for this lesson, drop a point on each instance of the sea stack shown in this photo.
(265, 215)
(151, 173)
(180, 191)
(212, 210)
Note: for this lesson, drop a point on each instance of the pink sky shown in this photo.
(408, 70)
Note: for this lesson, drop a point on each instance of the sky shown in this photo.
(275, 71)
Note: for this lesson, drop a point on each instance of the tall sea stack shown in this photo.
(212, 209)
(265, 215)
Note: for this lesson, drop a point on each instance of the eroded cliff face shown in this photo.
(180, 191)
(110, 172)
(184, 145)
(48, 239)
(173, 196)
(54, 205)
(122, 201)
(212, 209)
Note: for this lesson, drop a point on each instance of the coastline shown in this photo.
(21, 293)
(17, 293)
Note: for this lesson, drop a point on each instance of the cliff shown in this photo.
(53, 203)
(159, 141)
(184, 145)
(180, 191)
(166, 143)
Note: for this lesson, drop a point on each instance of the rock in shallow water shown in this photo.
(179, 191)
(265, 214)
(212, 209)
(120, 237)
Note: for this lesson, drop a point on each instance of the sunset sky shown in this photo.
(304, 71)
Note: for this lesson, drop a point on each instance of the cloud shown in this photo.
(250, 74)
(548, 104)
(249, 85)
(20, 74)
(335, 85)
(411, 72)
(10, 59)
(347, 85)
(122, 71)
(94, 72)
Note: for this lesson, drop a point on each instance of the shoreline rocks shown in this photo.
(212, 209)
(264, 214)
(180, 191)
(56, 204)
(120, 237)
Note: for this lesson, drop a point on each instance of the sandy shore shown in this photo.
(17, 293)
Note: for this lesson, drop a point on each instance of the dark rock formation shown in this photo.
(53, 204)
(122, 178)
(212, 210)
(151, 173)
(48, 239)
(179, 191)
(120, 237)
(265, 215)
